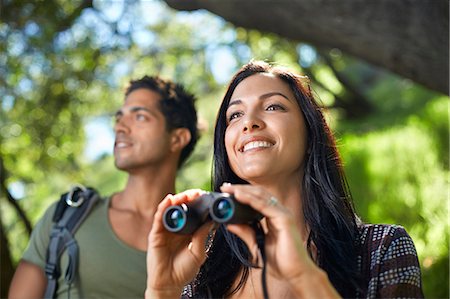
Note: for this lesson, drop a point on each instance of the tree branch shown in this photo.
(356, 103)
(338, 101)
(20, 212)
(68, 22)
(6, 262)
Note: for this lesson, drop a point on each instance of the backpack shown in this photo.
(72, 208)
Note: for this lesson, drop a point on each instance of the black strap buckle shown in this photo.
(51, 271)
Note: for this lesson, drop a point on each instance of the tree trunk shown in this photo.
(7, 267)
(407, 37)
(7, 271)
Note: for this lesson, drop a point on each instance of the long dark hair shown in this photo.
(327, 204)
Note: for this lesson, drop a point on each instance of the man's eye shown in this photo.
(141, 117)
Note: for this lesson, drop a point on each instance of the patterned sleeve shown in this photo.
(395, 266)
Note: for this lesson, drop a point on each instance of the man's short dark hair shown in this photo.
(177, 105)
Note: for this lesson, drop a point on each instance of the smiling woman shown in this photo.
(261, 116)
(274, 151)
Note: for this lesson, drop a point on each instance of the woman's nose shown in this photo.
(252, 123)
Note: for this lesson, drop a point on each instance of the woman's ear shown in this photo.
(180, 138)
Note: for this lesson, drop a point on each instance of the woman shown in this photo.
(274, 152)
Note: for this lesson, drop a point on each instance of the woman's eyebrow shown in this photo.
(273, 93)
(234, 102)
(261, 97)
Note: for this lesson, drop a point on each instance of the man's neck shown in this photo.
(144, 191)
(132, 210)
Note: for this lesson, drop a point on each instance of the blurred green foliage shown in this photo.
(63, 66)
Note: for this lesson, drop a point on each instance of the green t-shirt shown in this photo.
(108, 268)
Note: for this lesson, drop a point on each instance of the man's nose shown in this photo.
(122, 125)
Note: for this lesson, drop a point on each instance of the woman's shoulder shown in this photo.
(388, 262)
(379, 234)
(386, 240)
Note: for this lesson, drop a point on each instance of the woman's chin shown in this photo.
(256, 176)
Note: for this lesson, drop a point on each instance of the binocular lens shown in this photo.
(223, 209)
(175, 218)
(187, 217)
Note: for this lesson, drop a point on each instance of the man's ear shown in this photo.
(180, 138)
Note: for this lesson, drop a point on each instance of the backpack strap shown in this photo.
(72, 208)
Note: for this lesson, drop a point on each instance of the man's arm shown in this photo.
(29, 281)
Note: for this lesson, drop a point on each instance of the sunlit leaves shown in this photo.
(396, 176)
(63, 66)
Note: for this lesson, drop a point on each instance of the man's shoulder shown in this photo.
(93, 203)
(48, 218)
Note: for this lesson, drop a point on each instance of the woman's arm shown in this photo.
(396, 271)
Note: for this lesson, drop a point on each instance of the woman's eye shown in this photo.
(234, 115)
(273, 107)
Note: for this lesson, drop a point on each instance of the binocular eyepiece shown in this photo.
(220, 207)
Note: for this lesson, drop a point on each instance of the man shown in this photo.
(156, 131)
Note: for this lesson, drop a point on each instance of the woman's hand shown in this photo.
(173, 260)
(286, 255)
(284, 246)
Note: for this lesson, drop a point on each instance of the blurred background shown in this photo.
(380, 68)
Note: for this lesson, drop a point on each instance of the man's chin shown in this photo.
(121, 166)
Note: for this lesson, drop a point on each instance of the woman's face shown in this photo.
(265, 137)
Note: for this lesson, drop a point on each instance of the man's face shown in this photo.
(141, 137)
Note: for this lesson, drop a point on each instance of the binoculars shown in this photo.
(219, 207)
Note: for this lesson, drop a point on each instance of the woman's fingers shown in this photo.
(157, 226)
(257, 198)
(284, 242)
(170, 200)
(186, 196)
(199, 242)
(247, 234)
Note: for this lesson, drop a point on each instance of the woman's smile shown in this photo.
(254, 143)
